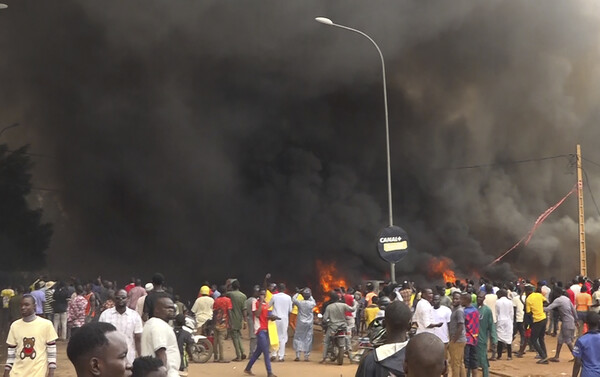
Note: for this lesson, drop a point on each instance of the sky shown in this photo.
(213, 139)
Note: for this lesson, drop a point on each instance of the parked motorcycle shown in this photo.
(203, 345)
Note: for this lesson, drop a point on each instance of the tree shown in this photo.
(23, 237)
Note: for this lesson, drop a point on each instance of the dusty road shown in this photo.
(517, 367)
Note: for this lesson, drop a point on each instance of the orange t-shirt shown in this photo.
(369, 297)
(583, 302)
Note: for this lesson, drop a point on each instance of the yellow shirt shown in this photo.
(370, 314)
(534, 304)
(30, 338)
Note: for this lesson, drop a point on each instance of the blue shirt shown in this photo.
(587, 348)
(40, 298)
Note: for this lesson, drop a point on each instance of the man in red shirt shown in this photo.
(261, 316)
(221, 314)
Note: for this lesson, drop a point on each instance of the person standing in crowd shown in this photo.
(389, 358)
(203, 308)
(587, 349)
(238, 300)
(441, 314)
(371, 311)
(221, 314)
(568, 316)
(423, 315)
(6, 294)
(471, 334)
(303, 336)
(127, 322)
(249, 318)
(148, 366)
(261, 316)
(583, 301)
(158, 338)
(40, 297)
(14, 304)
(282, 307)
(93, 302)
(31, 344)
(97, 350)
(490, 302)
(185, 341)
(334, 317)
(370, 293)
(139, 306)
(425, 357)
(456, 331)
(76, 310)
(61, 304)
(487, 330)
(534, 304)
(49, 303)
(134, 294)
(505, 313)
(158, 281)
(130, 286)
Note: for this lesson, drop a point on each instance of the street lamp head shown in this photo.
(3, 6)
(324, 20)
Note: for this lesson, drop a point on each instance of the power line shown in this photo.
(590, 161)
(46, 189)
(507, 162)
(587, 181)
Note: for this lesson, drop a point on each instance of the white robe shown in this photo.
(504, 324)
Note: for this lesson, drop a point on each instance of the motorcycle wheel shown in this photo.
(333, 352)
(202, 351)
(340, 355)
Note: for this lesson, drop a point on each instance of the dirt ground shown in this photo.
(525, 367)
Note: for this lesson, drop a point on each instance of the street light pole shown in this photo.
(327, 21)
(7, 127)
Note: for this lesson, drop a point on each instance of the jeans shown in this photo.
(262, 346)
(60, 325)
(538, 330)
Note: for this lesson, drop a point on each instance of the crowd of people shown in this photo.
(139, 329)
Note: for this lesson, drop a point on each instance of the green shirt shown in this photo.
(487, 329)
(238, 299)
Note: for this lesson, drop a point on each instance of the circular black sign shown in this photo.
(392, 244)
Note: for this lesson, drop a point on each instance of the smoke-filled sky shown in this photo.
(211, 139)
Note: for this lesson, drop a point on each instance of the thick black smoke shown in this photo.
(213, 139)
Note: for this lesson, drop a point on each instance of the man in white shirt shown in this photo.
(282, 307)
(441, 314)
(423, 315)
(158, 338)
(127, 321)
(504, 325)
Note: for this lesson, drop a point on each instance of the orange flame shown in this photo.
(440, 267)
(329, 279)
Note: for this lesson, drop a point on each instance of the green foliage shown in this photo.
(23, 237)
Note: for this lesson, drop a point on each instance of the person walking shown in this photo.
(534, 304)
(127, 321)
(568, 316)
(505, 314)
(60, 297)
(487, 330)
(31, 344)
(261, 316)
(249, 318)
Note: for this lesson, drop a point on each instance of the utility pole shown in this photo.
(582, 253)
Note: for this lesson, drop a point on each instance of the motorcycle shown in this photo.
(337, 346)
(202, 350)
